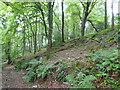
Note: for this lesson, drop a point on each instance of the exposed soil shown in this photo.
(12, 78)
(75, 53)
(51, 82)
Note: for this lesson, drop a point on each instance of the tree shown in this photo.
(50, 21)
(112, 26)
(43, 16)
(8, 50)
(87, 8)
(63, 22)
(105, 14)
(35, 37)
(24, 39)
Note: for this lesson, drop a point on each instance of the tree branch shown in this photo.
(93, 25)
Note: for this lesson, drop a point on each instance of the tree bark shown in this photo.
(50, 21)
(85, 15)
(23, 40)
(63, 22)
(105, 14)
(35, 37)
(112, 16)
(83, 24)
(8, 51)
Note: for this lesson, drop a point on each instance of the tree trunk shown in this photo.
(74, 35)
(88, 7)
(112, 16)
(43, 17)
(35, 42)
(29, 42)
(106, 14)
(50, 21)
(84, 19)
(32, 37)
(35, 38)
(83, 25)
(23, 40)
(8, 51)
(62, 23)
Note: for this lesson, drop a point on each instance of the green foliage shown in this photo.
(42, 70)
(61, 72)
(34, 69)
(81, 80)
(77, 65)
(21, 64)
(75, 76)
(106, 66)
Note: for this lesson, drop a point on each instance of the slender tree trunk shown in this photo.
(39, 36)
(43, 17)
(105, 14)
(63, 22)
(8, 51)
(112, 16)
(32, 37)
(74, 30)
(23, 39)
(50, 21)
(35, 42)
(29, 42)
(35, 38)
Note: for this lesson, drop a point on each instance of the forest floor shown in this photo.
(75, 53)
(13, 79)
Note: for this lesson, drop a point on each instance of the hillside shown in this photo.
(64, 61)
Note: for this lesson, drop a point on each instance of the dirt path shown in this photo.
(75, 53)
(12, 79)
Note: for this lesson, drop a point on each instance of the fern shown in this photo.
(81, 81)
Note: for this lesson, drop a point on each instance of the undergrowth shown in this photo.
(106, 67)
(101, 70)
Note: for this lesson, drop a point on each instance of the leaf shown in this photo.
(43, 74)
(102, 74)
(86, 85)
(117, 66)
(105, 63)
(80, 75)
(39, 75)
(67, 83)
(88, 54)
(89, 78)
(109, 68)
(70, 78)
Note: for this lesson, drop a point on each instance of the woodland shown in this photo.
(60, 44)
